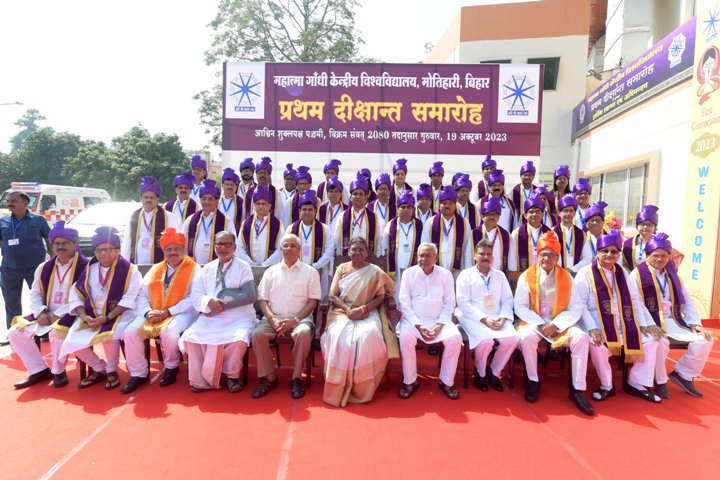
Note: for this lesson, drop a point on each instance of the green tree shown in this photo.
(9, 170)
(28, 125)
(44, 154)
(276, 31)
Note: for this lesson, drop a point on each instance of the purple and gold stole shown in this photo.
(320, 192)
(157, 226)
(324, 212)
(460, 238)
(483, 188)
(119, 279)
(629, 251)
(237, 220)
(604, 298)
(370, 227)
(578, 240)
(47, 279)
(390, 209)
(519, 201)
(394, 240)
(472, 214)
(191, 207)
(502, 235)
(393, 196)
(650, 291)
(525, 245)
(248, 201)
(218, 225)
(244, 188)
(295, 208)
(318, 235)
(272, 237)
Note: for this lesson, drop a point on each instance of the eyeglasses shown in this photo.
(548, 256)
(99, 251)
(646, 225)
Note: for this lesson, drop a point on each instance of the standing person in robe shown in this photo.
(330, 212)
(141, 242)
(634, 251)
(497, 190)
(288, 189)
(523, 190)
(595, 225)
(101, 302)
(317, 241)
(399, 185)
(450, 233)
(48, 304)
(263, 170)
(303, 181)
(485, 311)
(576, 252)
(549, 306)
(436, 174)
(164, 310)
(615, 319)
(198, 169)
(489, 230)
(401, 239)
(182, 205)
(260, 233)
(465, 208)
(358, 339)
(549, 219)
(216, 342)
(203, 225)
(424, 210)
(427, 301)
(364, 172)
(230, 204)
(672, 309)
(247, 178)
(483, 187)
(582, 191)
(524, 240)
(382, 207)
(358, 221)
(561, 187)
(332, 169)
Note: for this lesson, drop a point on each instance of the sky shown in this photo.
(97, 68)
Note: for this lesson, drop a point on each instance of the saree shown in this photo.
(356, 352)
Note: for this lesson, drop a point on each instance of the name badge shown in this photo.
(666, 307)
(145, 243)
(206, 246)
(58, 297)
(489, 301)
(614, 309)
(306, 251)
(406, 248)
(14, 241)
(544, 310)
(100, 300)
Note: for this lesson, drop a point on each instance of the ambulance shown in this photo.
(55, 202)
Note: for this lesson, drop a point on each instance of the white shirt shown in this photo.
(586, 256)
(307, 234)
(690, 313)
(513, 260)
(382, 214)
(406, 243)
(358, 228)
(227, 207)
(446, 248)
(427, 299)
(562, 320)
(145, 240)
(256, 254)
(507, 219)
(472, 289)
(496, 239)
(424, 217)
(143, 300)
(334, 214)
(60, 289)
(201, 249)
(580, 216)
(288, 289)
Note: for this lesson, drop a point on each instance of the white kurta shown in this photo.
(446, 248)
(406, 245)
(145, 239)
(586, 256)
(382, 214)
(324, 265)
(195, 194)
(358, 228)
(580, 216)
(507, 218)
(464, 211)
(334, 216)
(492, 236)
(201, 249)
(227, 207)
(257, 252)
(424, 217)
(179, 211)
(513, 261)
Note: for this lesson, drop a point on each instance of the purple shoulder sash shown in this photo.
(631, 336)
(627, 252)
(318, 237)
(435, 236)
(651, 295)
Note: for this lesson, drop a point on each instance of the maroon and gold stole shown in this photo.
(629, 251)
(190, 207)
(325, 211)
(248, 201)
(604, 299)
(576, 246)
(237, 219)
(370, 227)
(650, 291)
(501, 235)
(436, 234)
(157, 226)
(390, 210)
(519, 201)
(217, 226)
(318, 236)
(393, 196)
(394, 243)
(271, 239)
(483, 188)
(526, 245)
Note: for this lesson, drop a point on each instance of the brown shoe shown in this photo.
(406, 390)
(450, 391)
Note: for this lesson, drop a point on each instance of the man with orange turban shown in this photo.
(549, 307)
(164, 309)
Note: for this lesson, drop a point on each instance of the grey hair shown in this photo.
(293, 237)
(225, 233)
(429, 245)
(359, 240)
(484, 243)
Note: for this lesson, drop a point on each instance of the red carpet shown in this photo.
(173, 433)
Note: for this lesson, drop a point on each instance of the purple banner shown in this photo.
(378, 108)
(646, 76)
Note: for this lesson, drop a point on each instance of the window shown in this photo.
(90, 201)
(552, 68)
(625, 191)
(47, 202)
(507, 60)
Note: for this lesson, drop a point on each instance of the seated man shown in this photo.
(427, 301)
(672, 309)
(485, 311)
(549, 306)
(164, 309)
(102, 301)
(48, 303)
(217, 341)
(288, 315)
(615, 319)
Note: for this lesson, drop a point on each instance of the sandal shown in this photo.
(92, 379)
(113, 381)
(234, 385)
(450, 391)
(601, 394)
(406, 390)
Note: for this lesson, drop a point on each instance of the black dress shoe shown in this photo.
(661, 390)
(297, 389)
(264, 387)
(60, 380)
(480, 382)
(532, 392)
(601, 394)
(644, 394)
(133, 384)
(581, 402)
(41, 376)
(4, 342)
(687, 385)
(169, 377)
(494, 381)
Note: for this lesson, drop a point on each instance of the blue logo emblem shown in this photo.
(675, 52)
(519, 94)
(245, 92)
(711, 25)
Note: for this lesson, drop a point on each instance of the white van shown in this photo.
(55, 202)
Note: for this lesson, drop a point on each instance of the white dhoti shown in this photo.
(169, 339)
(579, 343)
(449, 336)
(642, 371)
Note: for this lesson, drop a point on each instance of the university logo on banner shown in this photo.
(245, 90)
(519, 89)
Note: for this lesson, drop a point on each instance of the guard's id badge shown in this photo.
(406, 248)
(489, 302)
(544, 310)
(58, 297)
(666, 307)
(14, 241)
(306, 251)
(145, 242)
